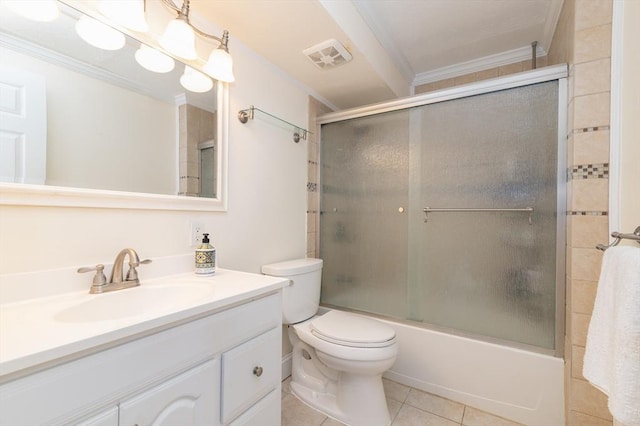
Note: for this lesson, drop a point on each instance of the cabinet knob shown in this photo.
(257, 371)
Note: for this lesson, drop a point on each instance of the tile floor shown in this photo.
(407, 406)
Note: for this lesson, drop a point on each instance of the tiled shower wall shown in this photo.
(316, 108)
(195, 126)
(582, 40)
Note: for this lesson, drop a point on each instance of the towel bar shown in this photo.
(619, 237)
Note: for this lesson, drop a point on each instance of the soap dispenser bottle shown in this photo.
(205, 257)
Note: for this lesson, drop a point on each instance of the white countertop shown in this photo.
(43, 331)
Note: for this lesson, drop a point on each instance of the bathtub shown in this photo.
(516, 384)
(519, 385)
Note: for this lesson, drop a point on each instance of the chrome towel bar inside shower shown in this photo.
(428, 210)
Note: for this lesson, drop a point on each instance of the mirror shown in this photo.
(101, 129)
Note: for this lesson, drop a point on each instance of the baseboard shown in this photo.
(286, 366)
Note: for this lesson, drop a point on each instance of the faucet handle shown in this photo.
(132, 273)
(99, 278)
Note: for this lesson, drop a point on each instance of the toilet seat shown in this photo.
(346, 329)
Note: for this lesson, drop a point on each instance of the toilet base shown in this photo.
(346, 390)
(348, 404)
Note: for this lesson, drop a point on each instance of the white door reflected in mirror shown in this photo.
(23, 127)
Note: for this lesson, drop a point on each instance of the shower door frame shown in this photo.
(551, 73)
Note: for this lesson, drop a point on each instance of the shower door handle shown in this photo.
(428, 210)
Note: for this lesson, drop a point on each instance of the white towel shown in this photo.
(612, 354)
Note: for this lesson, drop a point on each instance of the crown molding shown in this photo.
(475, 65)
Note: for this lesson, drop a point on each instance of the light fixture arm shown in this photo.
(183, 13)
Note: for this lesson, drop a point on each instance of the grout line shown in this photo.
(404, 403)
(434, 414)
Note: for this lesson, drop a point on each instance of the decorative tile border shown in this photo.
(586, 213)
(589, 171)
(591, 129)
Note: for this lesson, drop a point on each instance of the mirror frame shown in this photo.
(21, 194)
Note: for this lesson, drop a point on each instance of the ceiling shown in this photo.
(395, 44)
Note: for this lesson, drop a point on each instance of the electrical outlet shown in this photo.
(195, 236)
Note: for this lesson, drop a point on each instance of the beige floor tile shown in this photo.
(332, 422)
(436, 405)
(394, 407)
(394, 390)
(411, 416)
(580, 419)
(296, 413)
(285, 386)
(475, 417)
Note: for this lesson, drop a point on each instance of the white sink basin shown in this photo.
(132, 302)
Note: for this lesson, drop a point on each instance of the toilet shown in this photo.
(339, 357)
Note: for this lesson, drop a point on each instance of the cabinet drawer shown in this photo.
(249, 372)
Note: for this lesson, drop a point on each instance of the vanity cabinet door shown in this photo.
(190, 399)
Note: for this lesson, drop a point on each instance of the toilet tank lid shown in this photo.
(292, 267)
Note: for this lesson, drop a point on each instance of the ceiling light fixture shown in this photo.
(179, 39)
(36, 10)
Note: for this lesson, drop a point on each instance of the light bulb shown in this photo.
(128, 13)
(36, 10)
(195, 81)
(220, 66)
(154, 60)
(179, 39)
(98, 34)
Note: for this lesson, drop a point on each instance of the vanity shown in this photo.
(178, 349)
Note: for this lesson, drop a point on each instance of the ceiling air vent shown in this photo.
(328, 54)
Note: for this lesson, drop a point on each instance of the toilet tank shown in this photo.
(301, 298)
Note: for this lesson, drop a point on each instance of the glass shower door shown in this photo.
(364, 213)
(482, 273)
(491, 273)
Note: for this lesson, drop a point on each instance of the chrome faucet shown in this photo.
(117, 281)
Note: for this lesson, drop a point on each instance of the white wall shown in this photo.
(265, 221)
(94, 126)
(629, 124)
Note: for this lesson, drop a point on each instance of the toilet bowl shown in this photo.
(338, 358)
